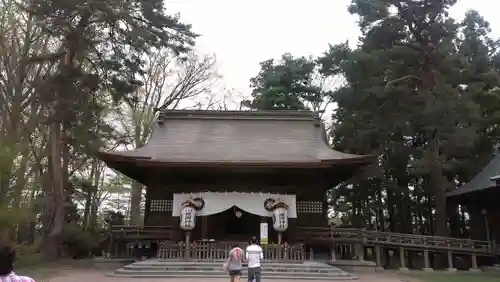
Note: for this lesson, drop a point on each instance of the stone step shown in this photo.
(219, 267)
(309, 270)
(153, 263)
(225, 275)
(264, 272)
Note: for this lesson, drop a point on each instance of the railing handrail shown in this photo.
(141, 226)
(373, 233)
(378, 237)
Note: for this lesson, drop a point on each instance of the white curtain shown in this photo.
(216, 202)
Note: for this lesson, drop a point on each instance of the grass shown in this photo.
(35, 268)
(458, 277)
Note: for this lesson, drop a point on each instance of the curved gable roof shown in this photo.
(182, 136)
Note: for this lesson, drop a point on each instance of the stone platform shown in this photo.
(309, 270)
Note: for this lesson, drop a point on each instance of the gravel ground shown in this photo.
(95, 275)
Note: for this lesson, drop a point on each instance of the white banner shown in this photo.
(264, 231)
(216, 202)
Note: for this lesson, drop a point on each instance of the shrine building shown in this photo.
(219, 175)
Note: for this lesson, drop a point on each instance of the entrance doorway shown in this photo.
(236, 225)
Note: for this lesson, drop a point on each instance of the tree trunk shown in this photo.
(51, 245)
(438, 183)
(18, 189)
(94, 199)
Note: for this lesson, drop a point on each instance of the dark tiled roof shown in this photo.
(238, 136)
(482, 180)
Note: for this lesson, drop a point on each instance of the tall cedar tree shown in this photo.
(99, 48)
(404, 101)
(286, 84)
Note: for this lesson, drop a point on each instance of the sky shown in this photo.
(243, 33)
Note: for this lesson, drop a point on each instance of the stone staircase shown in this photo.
(309, 270)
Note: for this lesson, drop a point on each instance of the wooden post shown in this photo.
(204, 227)
(333, 253)
(110, 242)
(427, 267)
(188, 239)
(402, 267)
(450, 262)
(378, 259)
(359, 248)
(474, 267)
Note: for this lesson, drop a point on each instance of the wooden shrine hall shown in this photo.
(479, 197)
(217, 175)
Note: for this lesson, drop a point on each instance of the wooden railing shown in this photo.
(219, 251)
(389, 239)
(136, 232)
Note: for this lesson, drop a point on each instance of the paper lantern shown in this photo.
(280, 219)
(188, 218)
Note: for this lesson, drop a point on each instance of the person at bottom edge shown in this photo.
(254, 255)
(235, 263)
(7, 257)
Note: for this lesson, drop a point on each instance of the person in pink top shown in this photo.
(7, 257)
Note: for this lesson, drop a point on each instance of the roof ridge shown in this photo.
(254, 115)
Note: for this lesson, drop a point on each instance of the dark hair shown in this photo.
(7, 257)
(254, 240)
(235, 245)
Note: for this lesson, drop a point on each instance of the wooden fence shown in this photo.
(219, 250)
(396, 240)
(341, 243)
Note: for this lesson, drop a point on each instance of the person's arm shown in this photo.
(246, 253)
(261, 253)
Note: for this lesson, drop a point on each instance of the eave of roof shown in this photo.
(482, 181)
(237, 138)
(146, 161)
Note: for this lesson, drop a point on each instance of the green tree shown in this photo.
(286, 84)
(406, 71)
(167, 81)
(99, 47)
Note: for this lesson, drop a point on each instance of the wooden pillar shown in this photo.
(188, 239)
(402, 266)
(378, 257)
(334, 253)
(359, 248)
(292, 231)
(204, 226)
(450, 262)
(474, 267)
(111, 242)
(427, 267)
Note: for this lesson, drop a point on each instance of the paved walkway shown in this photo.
(93, 275)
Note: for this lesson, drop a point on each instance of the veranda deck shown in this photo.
(130, 241)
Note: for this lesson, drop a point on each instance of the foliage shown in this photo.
(421, 91)
(80, 242)
(65, 66)
(291, 83)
